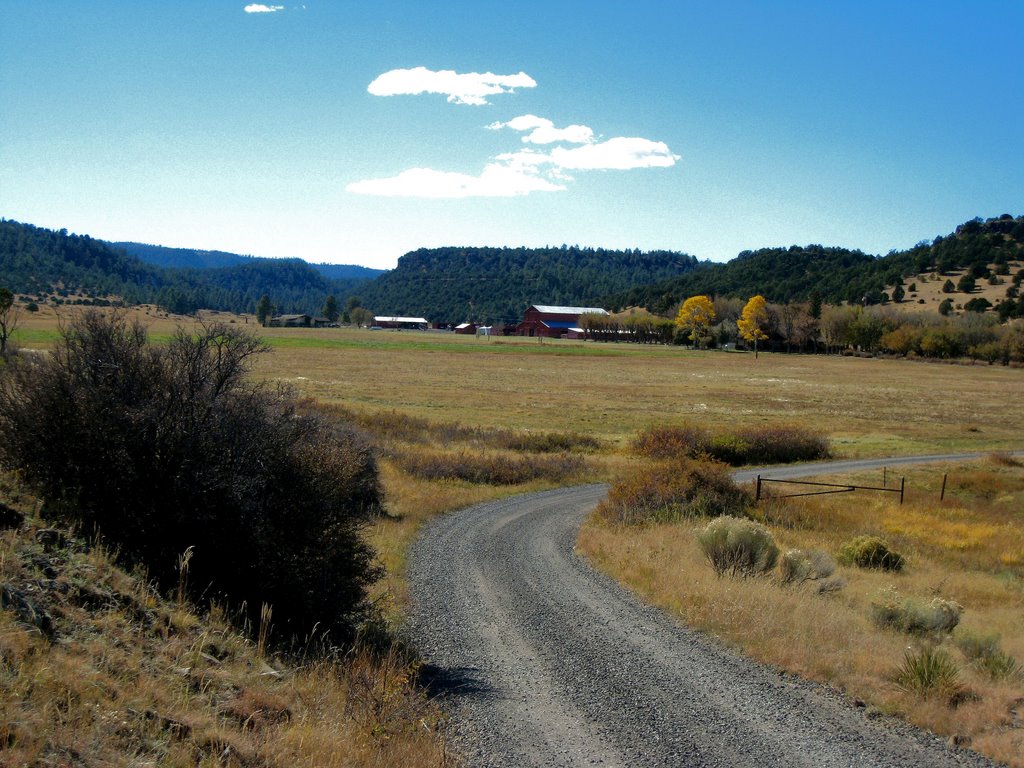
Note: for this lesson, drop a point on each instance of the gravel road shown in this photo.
(545, 662)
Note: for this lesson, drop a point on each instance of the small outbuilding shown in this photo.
(466, 328)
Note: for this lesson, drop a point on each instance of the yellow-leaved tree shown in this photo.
(753, 320)
(696, 316)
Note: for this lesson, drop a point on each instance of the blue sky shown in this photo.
(353, 132)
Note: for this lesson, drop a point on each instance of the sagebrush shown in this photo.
(738, 547)
(871, 552)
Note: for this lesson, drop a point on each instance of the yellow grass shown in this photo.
(132, 679)
(963, 549)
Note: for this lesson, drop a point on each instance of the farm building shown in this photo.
(298, 321)
(467, 328)
(554, 322)
(413, 323)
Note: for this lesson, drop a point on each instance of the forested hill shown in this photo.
(37, 261)
(40, 261)
(192, 258)
(491, 285)
(835, 274)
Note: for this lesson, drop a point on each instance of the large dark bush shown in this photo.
(161, 448)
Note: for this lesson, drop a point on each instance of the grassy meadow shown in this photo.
(458, 420)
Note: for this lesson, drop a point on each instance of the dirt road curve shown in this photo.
(545, 662)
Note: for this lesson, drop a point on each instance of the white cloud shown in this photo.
(543, 131)
(621, 154)
(466, 88)
(260, 8)
(496, 180)
(513, 174)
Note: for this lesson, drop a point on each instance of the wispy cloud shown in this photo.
(519, 173)
(496, 180)
(260, 8)
(543, 131)
(460, 88)
(618, 154)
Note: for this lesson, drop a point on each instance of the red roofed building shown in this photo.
(554, 322)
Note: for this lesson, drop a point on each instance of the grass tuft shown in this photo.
(927, 672)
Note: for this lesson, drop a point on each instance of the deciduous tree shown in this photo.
(752, 321)
(696, 316)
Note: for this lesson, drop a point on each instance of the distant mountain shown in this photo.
(181, 258)
(352, 272)
(496, 284)
(41, 261)
(834, 274)
(191, 258)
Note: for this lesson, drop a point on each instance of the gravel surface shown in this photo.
(542, 661)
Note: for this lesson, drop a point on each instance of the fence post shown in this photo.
(942, 493)
(757, 496)
(903, 481)
(885, 484)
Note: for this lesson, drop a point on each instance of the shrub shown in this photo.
(983, 652)
(162, 448)
(660, 442)
(492, 468)
(782, 444)
(928, 671)
(800, 565)
(914, 617)
(775, 444)
(738, 547)
(674, 490)
(871, 552)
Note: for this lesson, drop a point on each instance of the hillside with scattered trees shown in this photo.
(836, 275)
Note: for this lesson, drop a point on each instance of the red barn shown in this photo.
(554, 322)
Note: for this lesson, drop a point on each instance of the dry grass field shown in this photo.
(968, 549)
(445, 400)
